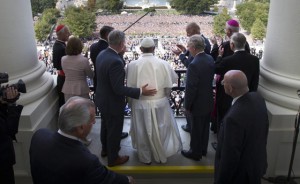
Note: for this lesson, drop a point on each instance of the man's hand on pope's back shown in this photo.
(148, 92)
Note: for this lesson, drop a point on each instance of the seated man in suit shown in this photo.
(60, 157)
(241, 155)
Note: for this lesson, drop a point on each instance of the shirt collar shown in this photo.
(113, 50)
(239, 50)
(147, 54)
(235, 99)
(199, 53)
(68, 135)
(103, 40)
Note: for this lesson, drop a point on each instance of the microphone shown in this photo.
(149, 10)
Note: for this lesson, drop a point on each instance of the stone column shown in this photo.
(18, 55)
(279, 82)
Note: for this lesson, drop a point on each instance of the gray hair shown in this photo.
(232, 28)
(239, 41)
(197, 41)
(75, 112)
(116, 37)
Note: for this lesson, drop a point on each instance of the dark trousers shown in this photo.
(7, 175)
(199, 134)
(188, 121)
(60, 83)
(110, 135)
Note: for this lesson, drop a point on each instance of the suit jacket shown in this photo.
(111, 92)
(9, 123)
(240, 60)
(241, 155)
(95, 49)
(58, 52)
(76, 69)
(56, 159)
(198, 91)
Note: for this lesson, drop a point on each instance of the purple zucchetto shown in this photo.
(232, 23)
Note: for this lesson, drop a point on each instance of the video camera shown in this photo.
(20, 86)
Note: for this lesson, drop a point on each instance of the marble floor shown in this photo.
(126, 148)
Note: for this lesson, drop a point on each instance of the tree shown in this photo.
(258, 30)
(245, 13)
(192, 7)
(43, 27)
(110, 5)
(81, 22)
(262, 12)
(249, 11)
(38, 6)
(220, 21)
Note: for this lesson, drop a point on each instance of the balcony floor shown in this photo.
(175, 164)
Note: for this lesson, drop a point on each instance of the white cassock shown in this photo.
(154, 132)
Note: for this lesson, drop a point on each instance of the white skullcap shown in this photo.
(147, 43)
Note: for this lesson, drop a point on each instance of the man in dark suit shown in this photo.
(110, 96)
(9, 122)
(96, 48)
(199, 97)
(59, 48)
(186, 57)
(241, 155)
(240, 60)
(60, 157)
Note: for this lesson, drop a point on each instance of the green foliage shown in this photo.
(38, 6)
(216, 9)
(110, 5)
(249, 11)
(43, 26)
(245, 12)
(192, 7)
(81, 22)
(220, 21)
(258, 30)
(262, 12)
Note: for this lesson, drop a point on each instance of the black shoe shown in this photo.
(189, 154)
(204, 153)
(214, 145)
(124, 135)
(186, 128)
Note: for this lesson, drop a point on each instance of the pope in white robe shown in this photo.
(154, 132)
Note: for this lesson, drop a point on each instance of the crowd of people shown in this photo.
(140, 71)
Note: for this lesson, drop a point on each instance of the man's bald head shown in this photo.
(237, 83)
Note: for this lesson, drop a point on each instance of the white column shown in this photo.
(279, 82)
(18, 57)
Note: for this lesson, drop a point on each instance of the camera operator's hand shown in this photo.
(11, 95)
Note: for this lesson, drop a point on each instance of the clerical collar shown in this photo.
(68, 135)
(61, 41)
(113, 49)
